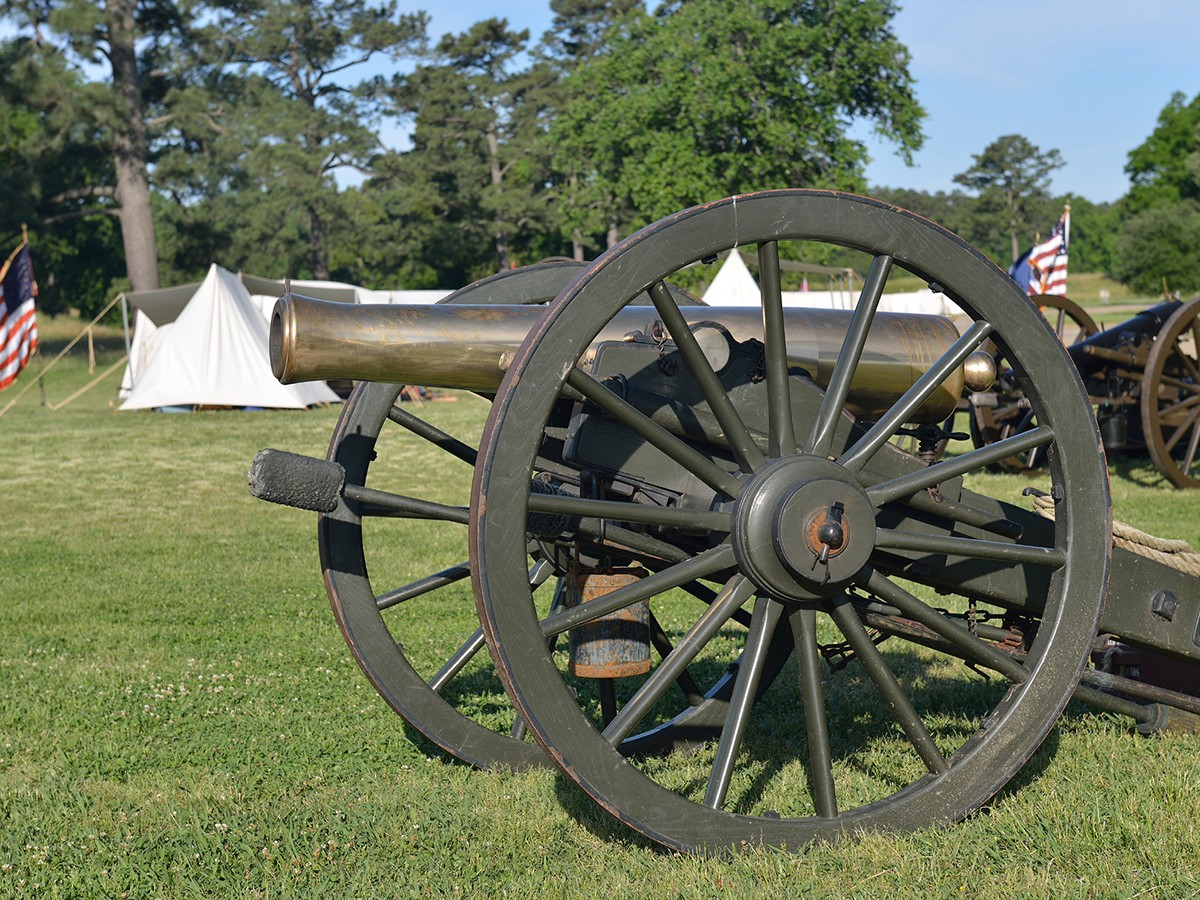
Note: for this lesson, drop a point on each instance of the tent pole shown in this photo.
(91, 384)
(125, 320)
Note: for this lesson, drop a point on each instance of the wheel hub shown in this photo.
(803, 528)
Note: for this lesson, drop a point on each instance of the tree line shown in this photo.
(141, 140)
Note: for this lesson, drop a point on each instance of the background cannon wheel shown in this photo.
(1070, 321)
(1170, 403)
(749, 785)
(1011, 414)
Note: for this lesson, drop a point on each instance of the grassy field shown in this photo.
(179, 716)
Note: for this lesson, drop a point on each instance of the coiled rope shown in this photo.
(1177, 554)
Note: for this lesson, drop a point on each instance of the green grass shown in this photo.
(1094, 289)
(179, 716)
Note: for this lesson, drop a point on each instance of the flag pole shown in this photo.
(21, 246)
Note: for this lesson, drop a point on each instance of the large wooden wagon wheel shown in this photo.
(1170, 403)
(807, 535)
(1009, 414)
(451, 703)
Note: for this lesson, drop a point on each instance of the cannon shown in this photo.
(720, 595)
(1142, 377)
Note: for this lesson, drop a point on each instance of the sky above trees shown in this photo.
(1088, 77)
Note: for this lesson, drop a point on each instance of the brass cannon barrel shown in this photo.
(470, 347)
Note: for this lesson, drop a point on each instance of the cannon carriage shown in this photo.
(681, 532)
(1140, 375)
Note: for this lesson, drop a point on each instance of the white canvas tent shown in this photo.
(207, 345)
(336, 290)
(733, 285)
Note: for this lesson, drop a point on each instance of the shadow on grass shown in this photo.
(1137, 469)
(864, 743)
(1033, 769)
(598, 822)
(871, 758)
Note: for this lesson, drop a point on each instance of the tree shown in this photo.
(579, 32)
(294, 116)
(87, 34)
(472, 186)
(54, 182)
(954, 210)
(581, 28)
(1165, 168)
(1012, 178)
(1159, 244)
(1160, 228)
(708, 98)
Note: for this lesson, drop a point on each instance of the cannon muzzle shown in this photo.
(470, 347)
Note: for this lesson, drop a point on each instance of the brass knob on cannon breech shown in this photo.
(470, 347)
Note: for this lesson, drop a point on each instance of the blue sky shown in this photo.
(1086, 77)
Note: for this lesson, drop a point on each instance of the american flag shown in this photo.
(1048, 260)
(18, 324)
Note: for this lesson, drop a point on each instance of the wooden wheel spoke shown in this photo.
(699, 566)
(1060, 322)
(803, 621)
(972, 647)
(385, 504)
(1189, 459)
(538, 575)
(848, 358)
(433, 434)
(378, 639)
(762, 629)
(927, 477)
(674, 665)
(696, 463)
(922, 389)
(663, 646)
(629, 512)
(972, 461)
(424, 585)
(1185, 386)
(705, 594)
(744, 449)
(541, 572)
(458, 661)
(1016, 554)
(1188, 363)
(1187, 427)
(888, 686)
(782, 434)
